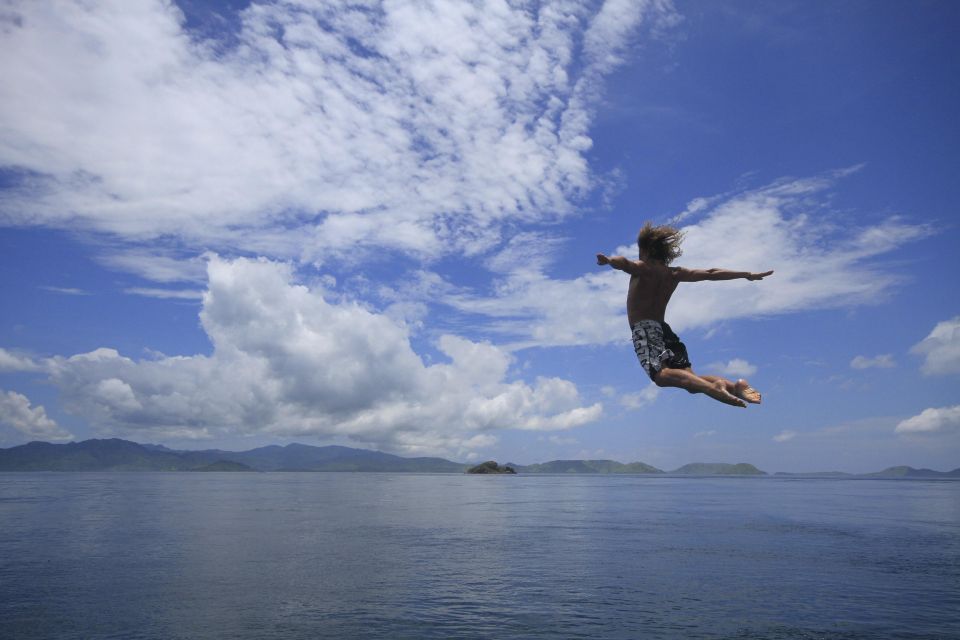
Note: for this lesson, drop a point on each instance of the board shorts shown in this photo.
(657, 346)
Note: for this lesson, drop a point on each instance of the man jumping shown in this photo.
(652, 283)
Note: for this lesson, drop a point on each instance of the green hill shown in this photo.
(904, 471)
(122, 455)
(586, 466)
(91, 455)
(718, 469)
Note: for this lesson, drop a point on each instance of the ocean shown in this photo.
(419, 556)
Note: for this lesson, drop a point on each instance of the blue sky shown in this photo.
(227, 224)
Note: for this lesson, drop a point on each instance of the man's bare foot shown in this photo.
(742, 389)
(718, 391)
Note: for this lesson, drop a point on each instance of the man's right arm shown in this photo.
(619, 262)
(698, 275)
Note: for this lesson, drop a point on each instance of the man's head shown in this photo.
(659, 243)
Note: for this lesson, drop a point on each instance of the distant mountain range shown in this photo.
(122, 455)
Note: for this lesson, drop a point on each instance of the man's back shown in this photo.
(652, 283)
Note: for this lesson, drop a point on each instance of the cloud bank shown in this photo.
(287, 362)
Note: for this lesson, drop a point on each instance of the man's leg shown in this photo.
(687, 379)
(741, 388)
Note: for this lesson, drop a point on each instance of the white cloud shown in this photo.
(155, 265)
(640, 398)
(941, 349)
(70, 291)
(785, 226)
(12, 362)
(421, 127)
(288, 362)
(15, 411)
(154, 292)
(738, 367)
(705, 434)
(537, 310)
(785, 435)
(883, 361)
(941, 420)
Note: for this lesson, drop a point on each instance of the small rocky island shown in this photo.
(491, 467)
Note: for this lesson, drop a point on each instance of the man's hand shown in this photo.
(759, 276)
(602, 259)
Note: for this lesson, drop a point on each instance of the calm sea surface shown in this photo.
(340, 555)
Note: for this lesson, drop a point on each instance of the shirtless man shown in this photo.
(652, 283)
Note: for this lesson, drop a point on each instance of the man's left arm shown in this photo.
(699, 275)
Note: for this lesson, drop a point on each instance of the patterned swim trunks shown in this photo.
(657, 346)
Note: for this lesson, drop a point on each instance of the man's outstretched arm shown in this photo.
(618, 262)
(698, 275)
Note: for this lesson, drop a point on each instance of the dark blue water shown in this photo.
(314, 555)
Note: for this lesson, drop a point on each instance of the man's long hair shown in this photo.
(660, 243)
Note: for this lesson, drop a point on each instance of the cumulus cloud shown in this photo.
(883, 361)
(785, 435)
(10, 362)
(940, 420)
(288, 362)
(786, 226)
(738, 367)
(421, 127)
(640, 398)
(16, 411)
(941, 349)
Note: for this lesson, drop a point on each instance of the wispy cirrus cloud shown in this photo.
(315, 129)
(882, 361)
(165, 294)
(70, 291)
